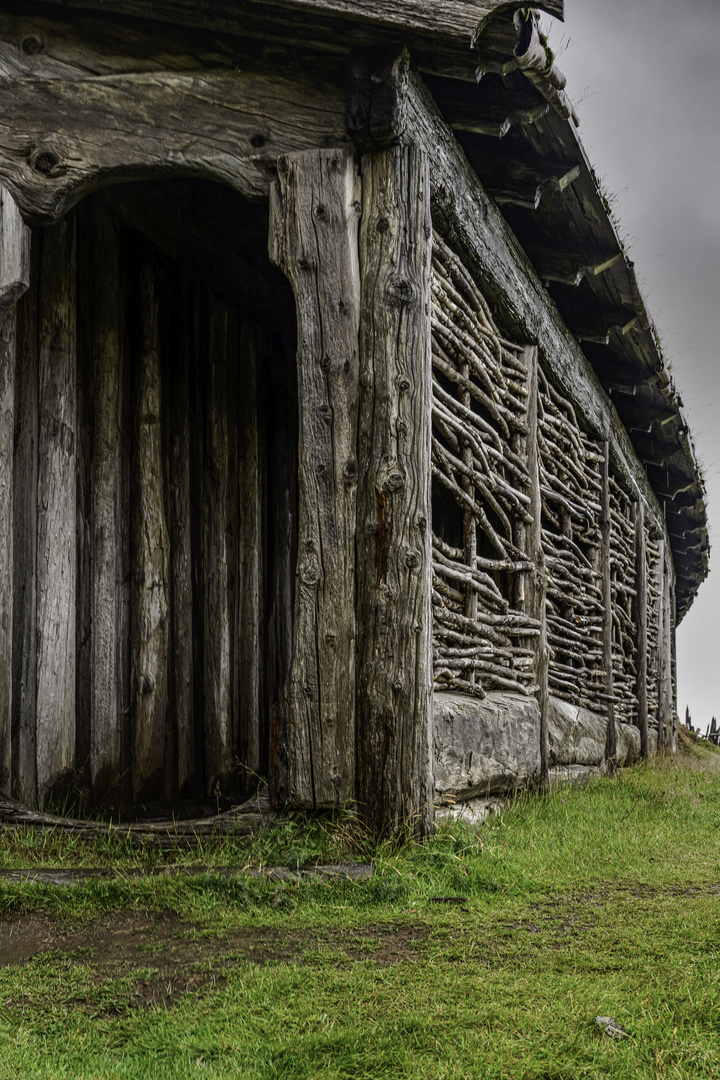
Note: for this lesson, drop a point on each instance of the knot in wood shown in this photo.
(31, 45)
(283, 165)
(326, 363)
(330, 639)
(258, 141)
(47, 163)
(403, 383)
(401, 292)
(309, 576)
(394, 481)
(148, 685)
(422, 524)
(398, 685)
(382, 225)
(320, 468)
(412, 559)
(320, 212)
(357, 209)
(303, 263)
(324, 411)
(350, 470)
(329, 721)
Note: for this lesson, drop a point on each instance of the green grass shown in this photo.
(600, 901)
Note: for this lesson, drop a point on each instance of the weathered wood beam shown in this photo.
(393, 526)
(537, 582)
(313, 238)
(607, 635)
(104, 311)
(399, 109)
(150, 550)
(219, 748)
(513, 181)
(250, 554)
(25, 511)
(455, 20)
(641, 622)
(60, 139)
(56, 492)
(14, 277)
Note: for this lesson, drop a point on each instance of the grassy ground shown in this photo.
(604, 901)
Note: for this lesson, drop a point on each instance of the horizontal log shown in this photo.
(58, 145)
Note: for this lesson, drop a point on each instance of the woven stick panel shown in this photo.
(481, 640)
(571, 490)
(624, 604)
(654, 583)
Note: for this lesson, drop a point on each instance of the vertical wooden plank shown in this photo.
(659, 666)
(105, 349)
(607, 646)
(393, 532)
(641, 645)
(150, 630)
(313, 238)
(181, 559)
(14, 279)
(56, 498)
(534, 585)
(8, 348)
(219, 750)
(25, 517)
(249, 589)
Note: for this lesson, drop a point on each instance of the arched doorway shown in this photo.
(154, 499)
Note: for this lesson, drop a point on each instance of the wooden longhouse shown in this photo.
(336, 445)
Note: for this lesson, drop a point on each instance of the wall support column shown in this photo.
(641, 627)
(393, 530)
(607, 639)
(314, 210)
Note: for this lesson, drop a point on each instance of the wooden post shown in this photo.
(14, 278)
(56, 509)
(25, 513)
(179, 509)
(313, 238)
(665, 690)
(534, 585)
(659, 665)
(393, 532)
(219, 750)
(249, 588)
(149, 605)
(641, 657)
(105, 353)
(607, 647)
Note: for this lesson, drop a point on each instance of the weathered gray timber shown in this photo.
(218, 726)
(179, 515)
(394, 520)
(537, 582)
(607, 638)
(398, 107)
(455, 21)
(105, 349)
(313, 238)
(249, 604)
(8, 351)
(56, 552)
(25, 513)
(150, 557)
(14, 253)
(641, 645)
(230, 127)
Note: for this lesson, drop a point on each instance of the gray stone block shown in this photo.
(576, 736)
(483, 747)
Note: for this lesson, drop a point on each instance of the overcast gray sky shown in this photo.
(644, 77)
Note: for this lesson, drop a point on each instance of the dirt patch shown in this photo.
(172, 956)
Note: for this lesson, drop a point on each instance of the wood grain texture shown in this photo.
(393, 532)
(56, 502)
(537, 582)
(59, 139)
(25, 507)
(150, 557)
(14, 253)
(219, 747)
(179, 526)
(8, 352)
(467, 216)
(641, 641)
(106, 351)
(607, 637)
(249, 609)
(313, 238)
(449, 19)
